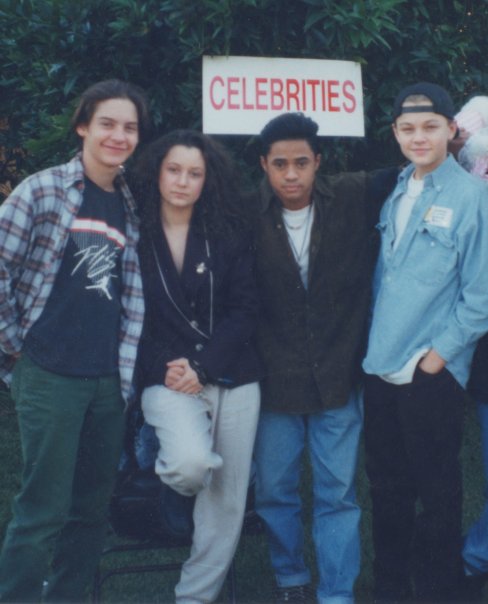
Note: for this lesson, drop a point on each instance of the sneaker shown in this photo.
(295, 594)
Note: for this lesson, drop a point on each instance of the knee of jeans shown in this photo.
(268, 495)
(189, 473)
(339, 496)
(275, 482)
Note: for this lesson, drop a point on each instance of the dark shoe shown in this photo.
(296, 594)
(473, 587)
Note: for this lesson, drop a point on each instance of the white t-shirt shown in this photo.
(404, 210)
(298, 224)
(405, 206)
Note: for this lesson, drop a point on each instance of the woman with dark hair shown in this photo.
(198, 368)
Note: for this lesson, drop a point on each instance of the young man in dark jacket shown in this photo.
(315, 255)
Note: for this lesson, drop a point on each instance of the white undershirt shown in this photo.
(298, 224)
(405, 207)
(404, 210)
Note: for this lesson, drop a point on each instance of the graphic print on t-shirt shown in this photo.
(98, 246)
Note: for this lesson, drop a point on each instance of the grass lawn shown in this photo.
(254, 576)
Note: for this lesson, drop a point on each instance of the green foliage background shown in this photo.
(50, 50)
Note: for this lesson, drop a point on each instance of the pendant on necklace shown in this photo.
(201, 268)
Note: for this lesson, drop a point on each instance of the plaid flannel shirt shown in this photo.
(34, 227)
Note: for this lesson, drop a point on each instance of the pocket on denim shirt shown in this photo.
(433, 254)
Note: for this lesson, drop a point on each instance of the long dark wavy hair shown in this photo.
(219, 207)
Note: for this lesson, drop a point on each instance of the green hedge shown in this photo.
(51, 50)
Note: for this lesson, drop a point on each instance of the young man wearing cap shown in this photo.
(430, 307)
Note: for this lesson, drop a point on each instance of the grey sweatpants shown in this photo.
(206, 445)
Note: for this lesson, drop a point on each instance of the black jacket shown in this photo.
(228, 356)
(312, 341)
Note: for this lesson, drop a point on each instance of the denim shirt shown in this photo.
(432, 291)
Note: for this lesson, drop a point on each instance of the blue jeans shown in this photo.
(333, 440)
(475, 551)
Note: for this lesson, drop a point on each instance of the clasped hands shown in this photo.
(181, 377)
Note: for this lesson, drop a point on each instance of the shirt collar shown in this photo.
(437, 177)
(75, 174)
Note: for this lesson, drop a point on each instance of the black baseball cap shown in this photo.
(441, 101)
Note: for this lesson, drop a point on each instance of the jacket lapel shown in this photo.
(196, 265)
(179, 286)
(282, 245)
(323, 226)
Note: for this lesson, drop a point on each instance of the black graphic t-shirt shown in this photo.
(78, 331)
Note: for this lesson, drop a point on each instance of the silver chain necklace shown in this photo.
(307, 224)
(299, 226)
(199, 269)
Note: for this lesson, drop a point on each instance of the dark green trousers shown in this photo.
(71, 432)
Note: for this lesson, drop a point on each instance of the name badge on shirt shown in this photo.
(439, 216)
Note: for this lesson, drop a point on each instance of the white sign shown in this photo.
(241, 94)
